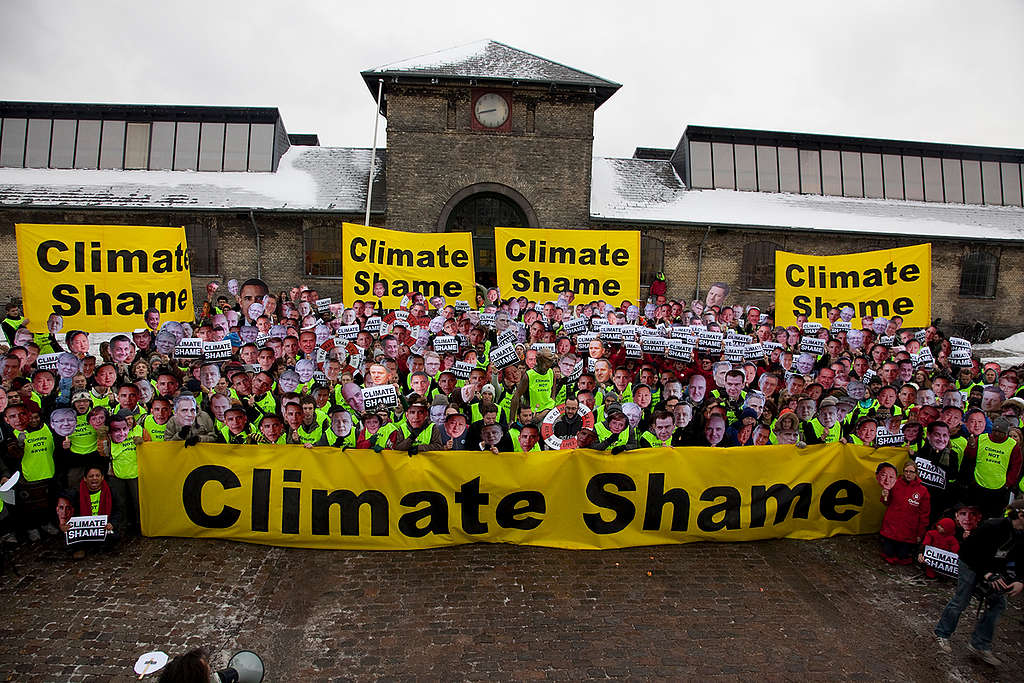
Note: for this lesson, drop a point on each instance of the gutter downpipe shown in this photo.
(373, 150)
(259, 250)
(700, 258)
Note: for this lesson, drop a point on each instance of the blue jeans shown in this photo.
(981, 639)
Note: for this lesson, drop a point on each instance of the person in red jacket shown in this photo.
(943, 537)
(906, 517)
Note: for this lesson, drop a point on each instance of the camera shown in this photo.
(988, 588)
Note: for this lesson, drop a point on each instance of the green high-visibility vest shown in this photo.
(993, 461)
(832, 436)
(156, 430)
(124, 459)
(540, 389)
(347, 441)
(313, 435)
(83, 439)
(37, 460)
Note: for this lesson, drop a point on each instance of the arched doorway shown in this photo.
(478, 209)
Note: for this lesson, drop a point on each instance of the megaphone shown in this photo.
(243, 667)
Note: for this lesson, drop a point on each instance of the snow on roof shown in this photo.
(307, 179)
(650, 191)
(491, 59)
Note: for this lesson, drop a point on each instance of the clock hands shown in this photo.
(487, 111)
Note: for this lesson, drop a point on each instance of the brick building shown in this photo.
(485, 135)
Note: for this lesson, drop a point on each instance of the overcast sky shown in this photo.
(948, 71)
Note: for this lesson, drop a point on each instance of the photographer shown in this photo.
(984, 556)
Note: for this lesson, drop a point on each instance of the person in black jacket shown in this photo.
(984, 556)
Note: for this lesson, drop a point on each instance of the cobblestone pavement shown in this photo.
(779, 610)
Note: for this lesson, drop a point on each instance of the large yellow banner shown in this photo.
(103, 278)
(326, 498)
(874, 283)
(540, 264)
(386, 265)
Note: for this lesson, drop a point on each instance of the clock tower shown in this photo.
(487, 135)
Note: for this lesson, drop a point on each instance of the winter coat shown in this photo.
(942, 541)
(906, 517)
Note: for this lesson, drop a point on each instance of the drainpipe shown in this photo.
(700, 257)
(259, 251)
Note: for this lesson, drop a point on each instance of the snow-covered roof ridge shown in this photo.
(307, 179)
(491, 59)
(649, 191)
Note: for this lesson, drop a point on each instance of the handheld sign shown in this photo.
(383, 396)
(885, 438)
(573, 326)
(191, 348)
(446, 344)
(504, 355)
(373, 324)
(543, 346)
(462, 369)
(487, 320)
(47, 361)
(612, 333)
(346, 332)
(753, 352)
(86, 529)
(840, 326)
(930, 473)
(217, 350)
(812, 345)
(652, 345)
(633, 350)
(261, 340)
(509, 336)
(921, 336)
(709, 340)
(461, 306)
(577, 370)
(810, 327)
(741, 338)
(942, 561)
(323, 305)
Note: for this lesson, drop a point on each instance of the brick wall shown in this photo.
(428, 161)
(723, 261)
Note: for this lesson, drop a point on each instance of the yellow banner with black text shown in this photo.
(541, 264)
(580, 499)
(386, 265)
(883, 283)
(103, 278)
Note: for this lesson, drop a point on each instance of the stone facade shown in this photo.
(433, 153)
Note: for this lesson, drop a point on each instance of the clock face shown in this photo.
(491, 110)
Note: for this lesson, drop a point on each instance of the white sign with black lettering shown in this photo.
(629, 332)
(687, 334)
(577, 370)
(959, 343)
(446, 344)
(543, 346)
(841, 326)
(320, 378)
(504, 355)
(652, 345)
(754, 352)
(811, 328)
(921, 335)
(885, 438)
(261, 340)
(373, 325)
(676, 349)
(709, 340)
(346, 332)
(461, 306)
(462, 370)
(770, 346)
(942, 561)
(887, 340)
(583, 340)
(930, 474)
(812, 345)
(960, 356)
(383, 396)
(739, 338)
(86, 529)
(571, 326)
(597, 325)
(191, 347)
(924, 357)
(612, 333)
(47, 361)
(323, 305)
(591, 364)
(509, 336)
(216, 350)
(633, 350)
(734, 352)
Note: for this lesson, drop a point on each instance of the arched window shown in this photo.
(652, 259)
(978, 271)
(479, 214)
(759, 265)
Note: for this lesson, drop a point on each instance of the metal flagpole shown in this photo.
(373, 152)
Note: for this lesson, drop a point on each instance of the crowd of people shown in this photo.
(504, 375)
